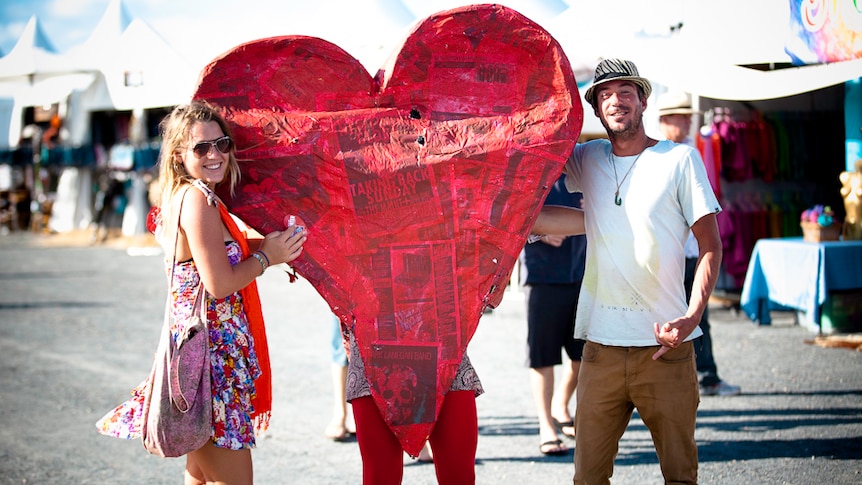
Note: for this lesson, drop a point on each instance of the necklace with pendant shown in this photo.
(617, 199)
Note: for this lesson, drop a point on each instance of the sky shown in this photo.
(66, 22)
(196, 28)
(202, 29)
(725, 33)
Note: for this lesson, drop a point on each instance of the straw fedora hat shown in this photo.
(616, 70)
(675, 103)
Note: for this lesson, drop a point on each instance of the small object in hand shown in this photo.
(291, 221)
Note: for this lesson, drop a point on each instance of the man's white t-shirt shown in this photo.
(635, 261)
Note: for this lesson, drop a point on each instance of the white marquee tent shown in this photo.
(123, 66)
(34, 74)
(136, 69)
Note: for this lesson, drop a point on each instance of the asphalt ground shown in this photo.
(79, 324)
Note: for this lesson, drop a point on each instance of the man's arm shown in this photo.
(705, 230)
(672, 334)
(557, 219)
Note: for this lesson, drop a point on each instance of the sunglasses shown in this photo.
(203, 148)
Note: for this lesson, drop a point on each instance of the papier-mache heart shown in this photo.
(418, 187)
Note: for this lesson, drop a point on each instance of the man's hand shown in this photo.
(673, 333)
(553, 240)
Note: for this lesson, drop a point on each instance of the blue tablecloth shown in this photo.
(789, 273)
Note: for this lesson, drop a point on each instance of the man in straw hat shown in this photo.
(641, 199)
(674, 118)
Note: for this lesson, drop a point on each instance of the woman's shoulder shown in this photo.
(197, 194)
(206, 192)
(192, 204)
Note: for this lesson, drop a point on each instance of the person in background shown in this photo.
(641, 199)
(552, 270)
(198, 155)
(112, 188)
(675, 119)
(337, 429)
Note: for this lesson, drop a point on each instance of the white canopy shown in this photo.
(34, 74)
(33, 55)
(704, 54)
(708, 60)
(124, 65)
(739, 83)
(140, 70)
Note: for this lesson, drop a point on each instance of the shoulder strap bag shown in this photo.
(177, 414)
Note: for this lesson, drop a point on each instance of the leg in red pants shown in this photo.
(454, 439)
(382, 455)
(453, 442)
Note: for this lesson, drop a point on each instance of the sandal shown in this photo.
(553, 448)
(565, 427)
(337, 432)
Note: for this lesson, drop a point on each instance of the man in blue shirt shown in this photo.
(551, 272)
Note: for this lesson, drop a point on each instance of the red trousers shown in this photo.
(453, 442)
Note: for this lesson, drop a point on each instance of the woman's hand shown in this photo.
(284, 246)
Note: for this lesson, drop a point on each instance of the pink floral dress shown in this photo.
(234, 364)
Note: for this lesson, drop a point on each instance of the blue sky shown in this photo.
(69, 22)
(208, 27)
(202, 29)
(65, 22)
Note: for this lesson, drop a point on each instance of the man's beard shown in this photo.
(628, 130)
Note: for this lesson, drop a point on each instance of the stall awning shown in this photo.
(740, 83)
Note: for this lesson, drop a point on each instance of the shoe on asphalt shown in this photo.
(720, 389)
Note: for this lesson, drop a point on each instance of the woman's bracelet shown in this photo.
(264, 256)
(261, 258)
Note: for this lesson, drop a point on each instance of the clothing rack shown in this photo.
(771, 167)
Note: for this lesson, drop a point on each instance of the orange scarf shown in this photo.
(262, 401)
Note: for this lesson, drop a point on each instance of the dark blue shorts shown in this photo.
(551, 324)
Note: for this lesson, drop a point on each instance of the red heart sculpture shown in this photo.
(418, 187)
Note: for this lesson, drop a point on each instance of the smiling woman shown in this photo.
(205, 249)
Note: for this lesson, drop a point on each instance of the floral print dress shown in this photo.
(234, 363)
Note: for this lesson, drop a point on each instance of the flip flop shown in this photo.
(338, 433)
(563, 425)
(553, 448)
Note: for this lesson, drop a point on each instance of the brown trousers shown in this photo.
(613, 381)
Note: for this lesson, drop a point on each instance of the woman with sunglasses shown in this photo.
(197, 154)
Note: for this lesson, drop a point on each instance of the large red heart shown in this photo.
(418, 187)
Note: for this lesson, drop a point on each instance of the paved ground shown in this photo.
(78, 326)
